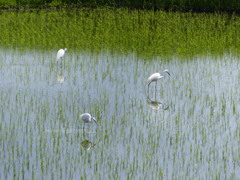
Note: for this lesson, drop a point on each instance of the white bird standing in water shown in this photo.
(87, 118)
(61, 53)
(155, 77)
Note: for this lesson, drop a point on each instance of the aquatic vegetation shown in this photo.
(158, 33)
(194, 135)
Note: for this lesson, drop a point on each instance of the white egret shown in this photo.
(61, 53)
(87, 118)
(155, 77)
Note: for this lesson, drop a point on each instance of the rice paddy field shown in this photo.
(187, 127)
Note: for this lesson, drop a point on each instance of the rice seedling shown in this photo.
(158, 33)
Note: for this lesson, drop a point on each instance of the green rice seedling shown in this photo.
(146, 32)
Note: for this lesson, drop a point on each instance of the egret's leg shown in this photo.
(156, 91)
(83, 133)
(148, 89)
(61, 62)
(57, 65)
(78, 130)
(83, 126)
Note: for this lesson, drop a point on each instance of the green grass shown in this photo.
(145, 32)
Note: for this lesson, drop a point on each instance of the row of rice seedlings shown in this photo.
(188, 137)
(121, 30)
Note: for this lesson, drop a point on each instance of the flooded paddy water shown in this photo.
(195, 137)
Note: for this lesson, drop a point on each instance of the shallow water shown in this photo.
(193, 134)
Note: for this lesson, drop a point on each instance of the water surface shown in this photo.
(197, 136)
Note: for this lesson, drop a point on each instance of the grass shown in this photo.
(145, 32)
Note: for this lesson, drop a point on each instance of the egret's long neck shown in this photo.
(166, 72)
(149, 82)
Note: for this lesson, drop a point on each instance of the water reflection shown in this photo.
(87, 145)
(89, 137)
(60, 78)
(201, 128)
(156, 105)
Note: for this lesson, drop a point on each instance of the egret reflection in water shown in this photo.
(156, 105)
(87, 145)
(60, 78)
(89, 140)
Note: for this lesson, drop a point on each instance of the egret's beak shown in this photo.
(94, 120)
(166, 71)
(165, 108)
(169, 74)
